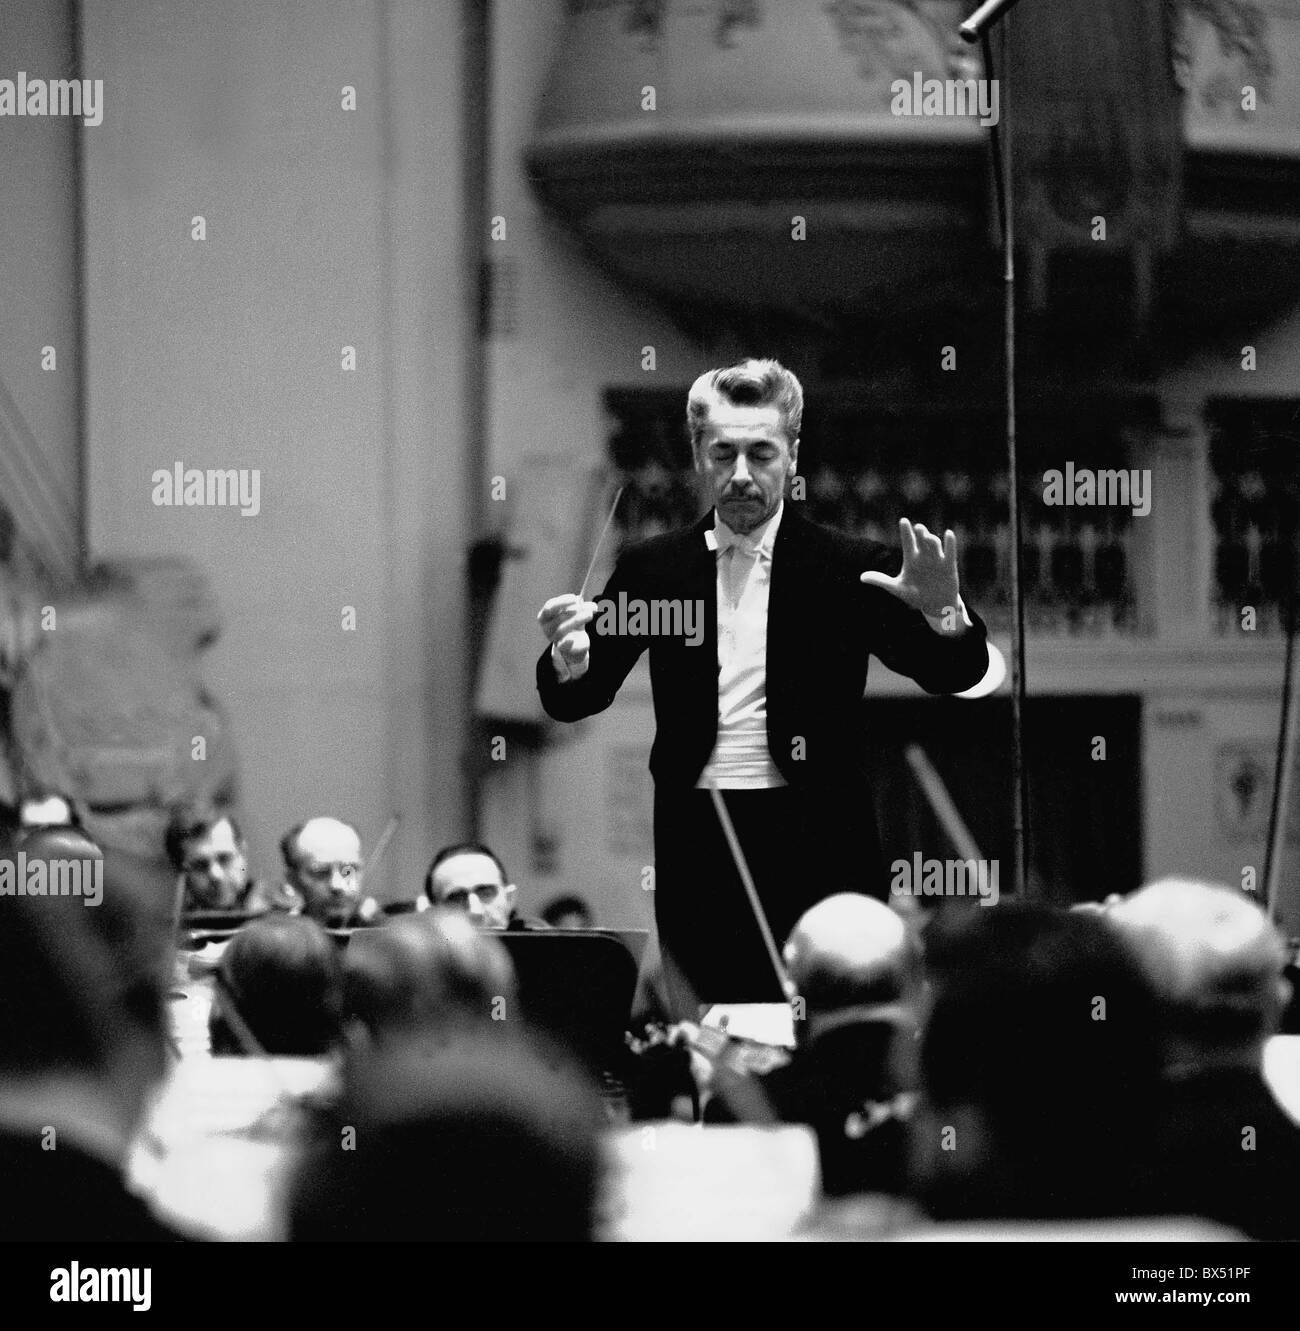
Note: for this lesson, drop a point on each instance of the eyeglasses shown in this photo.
(322, 873)
(487, 893)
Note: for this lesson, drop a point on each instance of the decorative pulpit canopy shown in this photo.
(758, 154)
(819, 159)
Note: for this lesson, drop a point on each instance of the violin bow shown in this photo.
(378, 854)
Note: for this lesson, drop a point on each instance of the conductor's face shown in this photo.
(745, 459)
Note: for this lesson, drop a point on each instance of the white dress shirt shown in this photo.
(740, 758)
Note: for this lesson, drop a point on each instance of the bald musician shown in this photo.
(323, 873)
(766, 702)
(1216, 962)
(857, 968)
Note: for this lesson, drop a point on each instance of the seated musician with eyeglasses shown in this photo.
(468, 876)
(324, 871)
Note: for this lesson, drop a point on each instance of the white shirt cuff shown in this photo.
(562, 671)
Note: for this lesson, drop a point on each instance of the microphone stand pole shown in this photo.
(1284, 762)
(976, 28)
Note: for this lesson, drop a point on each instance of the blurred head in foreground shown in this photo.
(280, 982)
(851, 959)
(432, 974)
(1040, 1069)
(1231, 1152)
(1216, 963)
(83, 974)
(487, 1145)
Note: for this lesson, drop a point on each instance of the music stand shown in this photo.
(576, 988)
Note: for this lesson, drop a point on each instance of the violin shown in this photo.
(705, 1059)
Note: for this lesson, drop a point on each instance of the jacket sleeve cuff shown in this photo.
(944, 626)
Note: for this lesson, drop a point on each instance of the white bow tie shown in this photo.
(749, 545)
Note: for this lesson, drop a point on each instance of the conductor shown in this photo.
(767, 704)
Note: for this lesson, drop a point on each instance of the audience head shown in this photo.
(430, 974)
(83, 969)
(569, 912)
(1216, 963)
(468, 1145)
(322, 860)
(467, 876)
(209, 851)
(280, 981)
(1040, 1067)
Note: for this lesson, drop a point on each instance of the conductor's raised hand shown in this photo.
(564, 620)
(928, 579)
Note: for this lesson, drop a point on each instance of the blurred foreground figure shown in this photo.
(1040, 1070)
(468, 1145)
(855, 967)
(323, 872)
(430, 976)
(279, 990)
(1231, 1153)
(82, 1039)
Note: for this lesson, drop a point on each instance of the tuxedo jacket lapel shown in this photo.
(699, 583)
(793, 566)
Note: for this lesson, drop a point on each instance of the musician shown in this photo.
(1216, 961)
(208, 851)
(469, 876)
(1053, 1110)
(857, 969)
(768, 706)
(323, 873)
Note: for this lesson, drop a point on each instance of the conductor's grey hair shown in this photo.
(752, 383)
